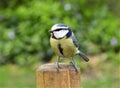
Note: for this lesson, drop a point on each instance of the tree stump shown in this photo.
(49, 77)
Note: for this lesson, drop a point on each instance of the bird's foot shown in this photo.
(75, 66)
(57, 66)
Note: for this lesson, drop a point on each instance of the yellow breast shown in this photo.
(68, 48)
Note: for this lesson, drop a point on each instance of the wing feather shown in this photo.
(74, 40)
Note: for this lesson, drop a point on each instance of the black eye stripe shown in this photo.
(59, 29)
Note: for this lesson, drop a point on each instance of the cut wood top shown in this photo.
(51, 67)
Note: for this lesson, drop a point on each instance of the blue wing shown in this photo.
(74, 40)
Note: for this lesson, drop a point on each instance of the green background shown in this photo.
(24, 39)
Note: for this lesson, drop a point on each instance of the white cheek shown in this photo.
(60, 34)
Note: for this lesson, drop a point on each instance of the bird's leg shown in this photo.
(57, 64)
(74, 65)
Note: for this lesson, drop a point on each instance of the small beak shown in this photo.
(50, 31)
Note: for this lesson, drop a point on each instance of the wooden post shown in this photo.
(49, 77)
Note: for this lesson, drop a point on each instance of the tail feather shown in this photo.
(83, 56)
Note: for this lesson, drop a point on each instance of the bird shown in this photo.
(64, 44)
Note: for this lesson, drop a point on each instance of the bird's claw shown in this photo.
(57, 66)
(75, 66)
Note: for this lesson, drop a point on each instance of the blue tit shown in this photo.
(64, 44)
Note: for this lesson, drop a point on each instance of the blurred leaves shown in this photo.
(24, 25)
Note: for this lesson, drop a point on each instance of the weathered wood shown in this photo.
(49, 77)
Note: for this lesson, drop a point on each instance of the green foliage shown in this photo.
(114, 58)
(24, 25)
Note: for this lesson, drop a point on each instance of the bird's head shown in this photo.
(59, 31)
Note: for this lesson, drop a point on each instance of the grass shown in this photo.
(97, 74)
(101, 74)
(102, 78)
(12, 76)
